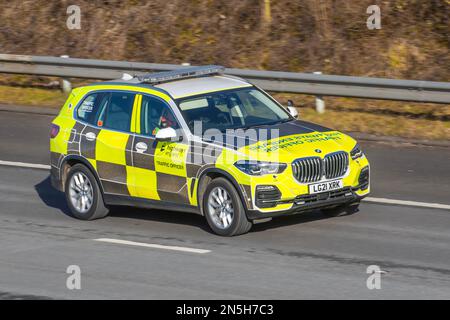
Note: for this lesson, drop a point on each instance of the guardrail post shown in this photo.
(66, 86)
(320, 103)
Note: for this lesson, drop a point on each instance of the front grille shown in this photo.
(312, 169)
(308, 169)
(336, 164)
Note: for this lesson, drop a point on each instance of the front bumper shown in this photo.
(356, 188)
(308, 202)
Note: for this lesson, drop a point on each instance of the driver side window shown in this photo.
(156, 115)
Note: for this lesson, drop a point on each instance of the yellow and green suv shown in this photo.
(196, 140)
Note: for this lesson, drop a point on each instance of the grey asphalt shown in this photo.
(298, 257)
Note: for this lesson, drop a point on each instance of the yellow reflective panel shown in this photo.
(93, 163)
(111, 146)
(138, 115)
(136, 106)
(60, 142)
(193, 195)
(288, 148)
(170, 158)
(142, 183)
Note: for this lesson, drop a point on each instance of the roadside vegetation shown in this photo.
(289, 35)
(330, 36)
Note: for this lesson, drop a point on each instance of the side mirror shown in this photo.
(166, 134)
(291, 109)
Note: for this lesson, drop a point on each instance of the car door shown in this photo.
(113, 143)
(160, 166)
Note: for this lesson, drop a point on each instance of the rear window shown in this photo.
(90, 107)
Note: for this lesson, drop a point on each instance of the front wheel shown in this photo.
(224, 210)
(83, 194)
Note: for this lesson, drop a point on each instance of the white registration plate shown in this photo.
(325, 186)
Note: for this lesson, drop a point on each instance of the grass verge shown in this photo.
(32, 96)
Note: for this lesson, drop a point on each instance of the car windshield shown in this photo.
(231, 109)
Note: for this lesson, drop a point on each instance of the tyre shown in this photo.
(224, 210)
(341, 210)
(83, 194)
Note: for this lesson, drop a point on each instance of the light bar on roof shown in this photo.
(183, 73)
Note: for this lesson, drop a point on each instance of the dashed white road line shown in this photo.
(24, 165)
(408, 203)
(152, 245)
(367, 199)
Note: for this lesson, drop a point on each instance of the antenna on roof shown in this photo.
(183, 73)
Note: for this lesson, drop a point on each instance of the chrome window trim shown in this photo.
(74, 114)
(170, 104)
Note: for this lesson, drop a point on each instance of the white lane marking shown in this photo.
(24, 165)
(151, 245)
(367, 199)
(408, 203)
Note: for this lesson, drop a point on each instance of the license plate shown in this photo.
(325, 186)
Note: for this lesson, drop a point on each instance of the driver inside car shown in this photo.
(166, 120)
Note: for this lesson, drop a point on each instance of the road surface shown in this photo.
(152, 254)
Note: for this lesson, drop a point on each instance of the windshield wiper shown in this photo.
(251, 126)
(287, 120)
(264, 124)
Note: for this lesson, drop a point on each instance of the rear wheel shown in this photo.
(341, 210)
(224, 210)
(83, 194)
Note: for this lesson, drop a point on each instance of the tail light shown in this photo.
(54, 130)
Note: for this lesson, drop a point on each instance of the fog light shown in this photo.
(267, 196)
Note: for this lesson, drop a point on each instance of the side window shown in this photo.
(156, 115)
(117, 113)
(90, 107)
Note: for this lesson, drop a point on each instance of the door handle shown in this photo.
(141, 147)
(90, 136)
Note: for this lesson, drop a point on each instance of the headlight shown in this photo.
(356, 152)
(259, 168)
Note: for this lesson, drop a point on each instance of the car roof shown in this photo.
(184, 87)
(195, 86)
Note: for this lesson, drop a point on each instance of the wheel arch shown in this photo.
(213, 173)
(71, 160)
